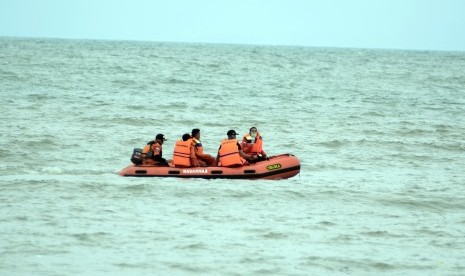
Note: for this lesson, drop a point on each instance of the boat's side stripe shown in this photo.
(232, 176)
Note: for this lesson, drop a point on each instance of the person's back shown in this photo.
(182, 152)
(230, 153)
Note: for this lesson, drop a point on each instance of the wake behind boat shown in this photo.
(277, 167)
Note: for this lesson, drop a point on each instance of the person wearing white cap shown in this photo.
(252, 143)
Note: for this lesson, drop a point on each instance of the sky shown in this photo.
(385, 24)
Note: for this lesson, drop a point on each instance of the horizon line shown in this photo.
(230, 43)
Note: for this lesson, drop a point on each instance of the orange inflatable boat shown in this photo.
(277, 167)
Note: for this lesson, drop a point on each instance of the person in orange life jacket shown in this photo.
(182, 152)
(252, 143)
(198, 158)
(152, 153)
(230, 153)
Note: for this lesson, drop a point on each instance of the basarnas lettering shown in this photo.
(195, 171)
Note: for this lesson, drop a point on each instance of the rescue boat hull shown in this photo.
(277, 167)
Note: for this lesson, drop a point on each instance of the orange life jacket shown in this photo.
(198, 146)
(254, 149)
(152, 149)
(229, 153)
(147, 152)
(182, 153)
(257, 148)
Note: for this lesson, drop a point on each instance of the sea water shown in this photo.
(380, 135)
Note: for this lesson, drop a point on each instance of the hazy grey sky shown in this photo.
(398, 24)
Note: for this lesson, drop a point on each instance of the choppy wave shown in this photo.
(379, 134)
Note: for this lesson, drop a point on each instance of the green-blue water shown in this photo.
(380, 135)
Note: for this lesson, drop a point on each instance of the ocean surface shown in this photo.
(380, 135)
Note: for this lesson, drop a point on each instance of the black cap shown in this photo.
(231, 132)
(160, 136)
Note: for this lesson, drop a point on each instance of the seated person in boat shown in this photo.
(230, 153)
(183, 151)
(252, 143)
(198, 158)
(152, 154)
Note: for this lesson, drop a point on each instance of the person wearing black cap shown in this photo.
(152, 153)
(230, 153)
